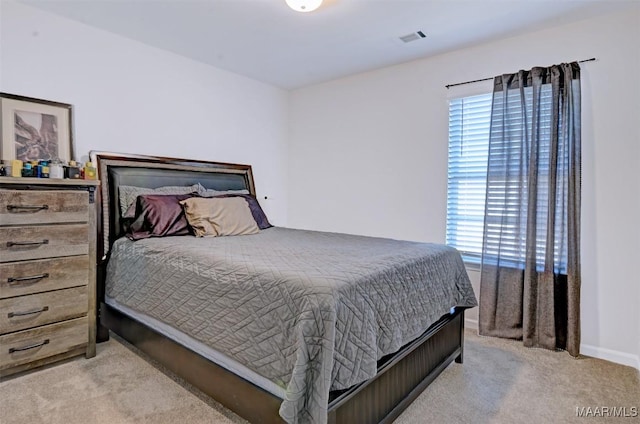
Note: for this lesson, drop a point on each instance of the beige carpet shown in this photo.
(500, 382)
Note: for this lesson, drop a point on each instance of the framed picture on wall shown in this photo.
(34, 129)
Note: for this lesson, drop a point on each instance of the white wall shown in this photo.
(368, 155)
(129, 97)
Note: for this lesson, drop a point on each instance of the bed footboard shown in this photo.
(400, 380)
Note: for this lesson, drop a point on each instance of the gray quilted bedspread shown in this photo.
(311, 311)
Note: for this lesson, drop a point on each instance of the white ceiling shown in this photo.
(267, 41)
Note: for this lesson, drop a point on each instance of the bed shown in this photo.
(283, 325)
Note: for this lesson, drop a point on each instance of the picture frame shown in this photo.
(35, 129)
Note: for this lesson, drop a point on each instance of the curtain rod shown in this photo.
(487, 79)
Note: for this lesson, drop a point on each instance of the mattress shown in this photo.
(309, 311)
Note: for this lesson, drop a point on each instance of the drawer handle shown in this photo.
(27, 243)
(14, 280)
(26, 208)
(33, 346)
(33, 311)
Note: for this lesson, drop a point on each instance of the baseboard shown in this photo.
(611, 355)
(471, 324)
(588, 350)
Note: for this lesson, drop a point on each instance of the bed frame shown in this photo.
(401, 376)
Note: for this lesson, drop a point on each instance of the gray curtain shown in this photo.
(530, 279)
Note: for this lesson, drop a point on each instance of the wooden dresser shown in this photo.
(47, 271)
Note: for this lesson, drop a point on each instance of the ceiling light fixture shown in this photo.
(304, 5)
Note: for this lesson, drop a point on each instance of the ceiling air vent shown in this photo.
(413, 36)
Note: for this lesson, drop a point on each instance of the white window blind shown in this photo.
(508, 185)
(469, 124)
(506, 220)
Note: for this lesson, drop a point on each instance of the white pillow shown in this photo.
(127, 195)
(208, 192)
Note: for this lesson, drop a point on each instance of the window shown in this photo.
(469, 129)
(469, 123)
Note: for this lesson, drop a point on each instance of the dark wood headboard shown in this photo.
(116, 169)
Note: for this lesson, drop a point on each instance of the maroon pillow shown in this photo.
(254, 206)
(159, 215)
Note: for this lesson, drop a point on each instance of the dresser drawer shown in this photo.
(20, 278)
(22, 207)
(19, 313)
(30, 345)
(40, 242)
